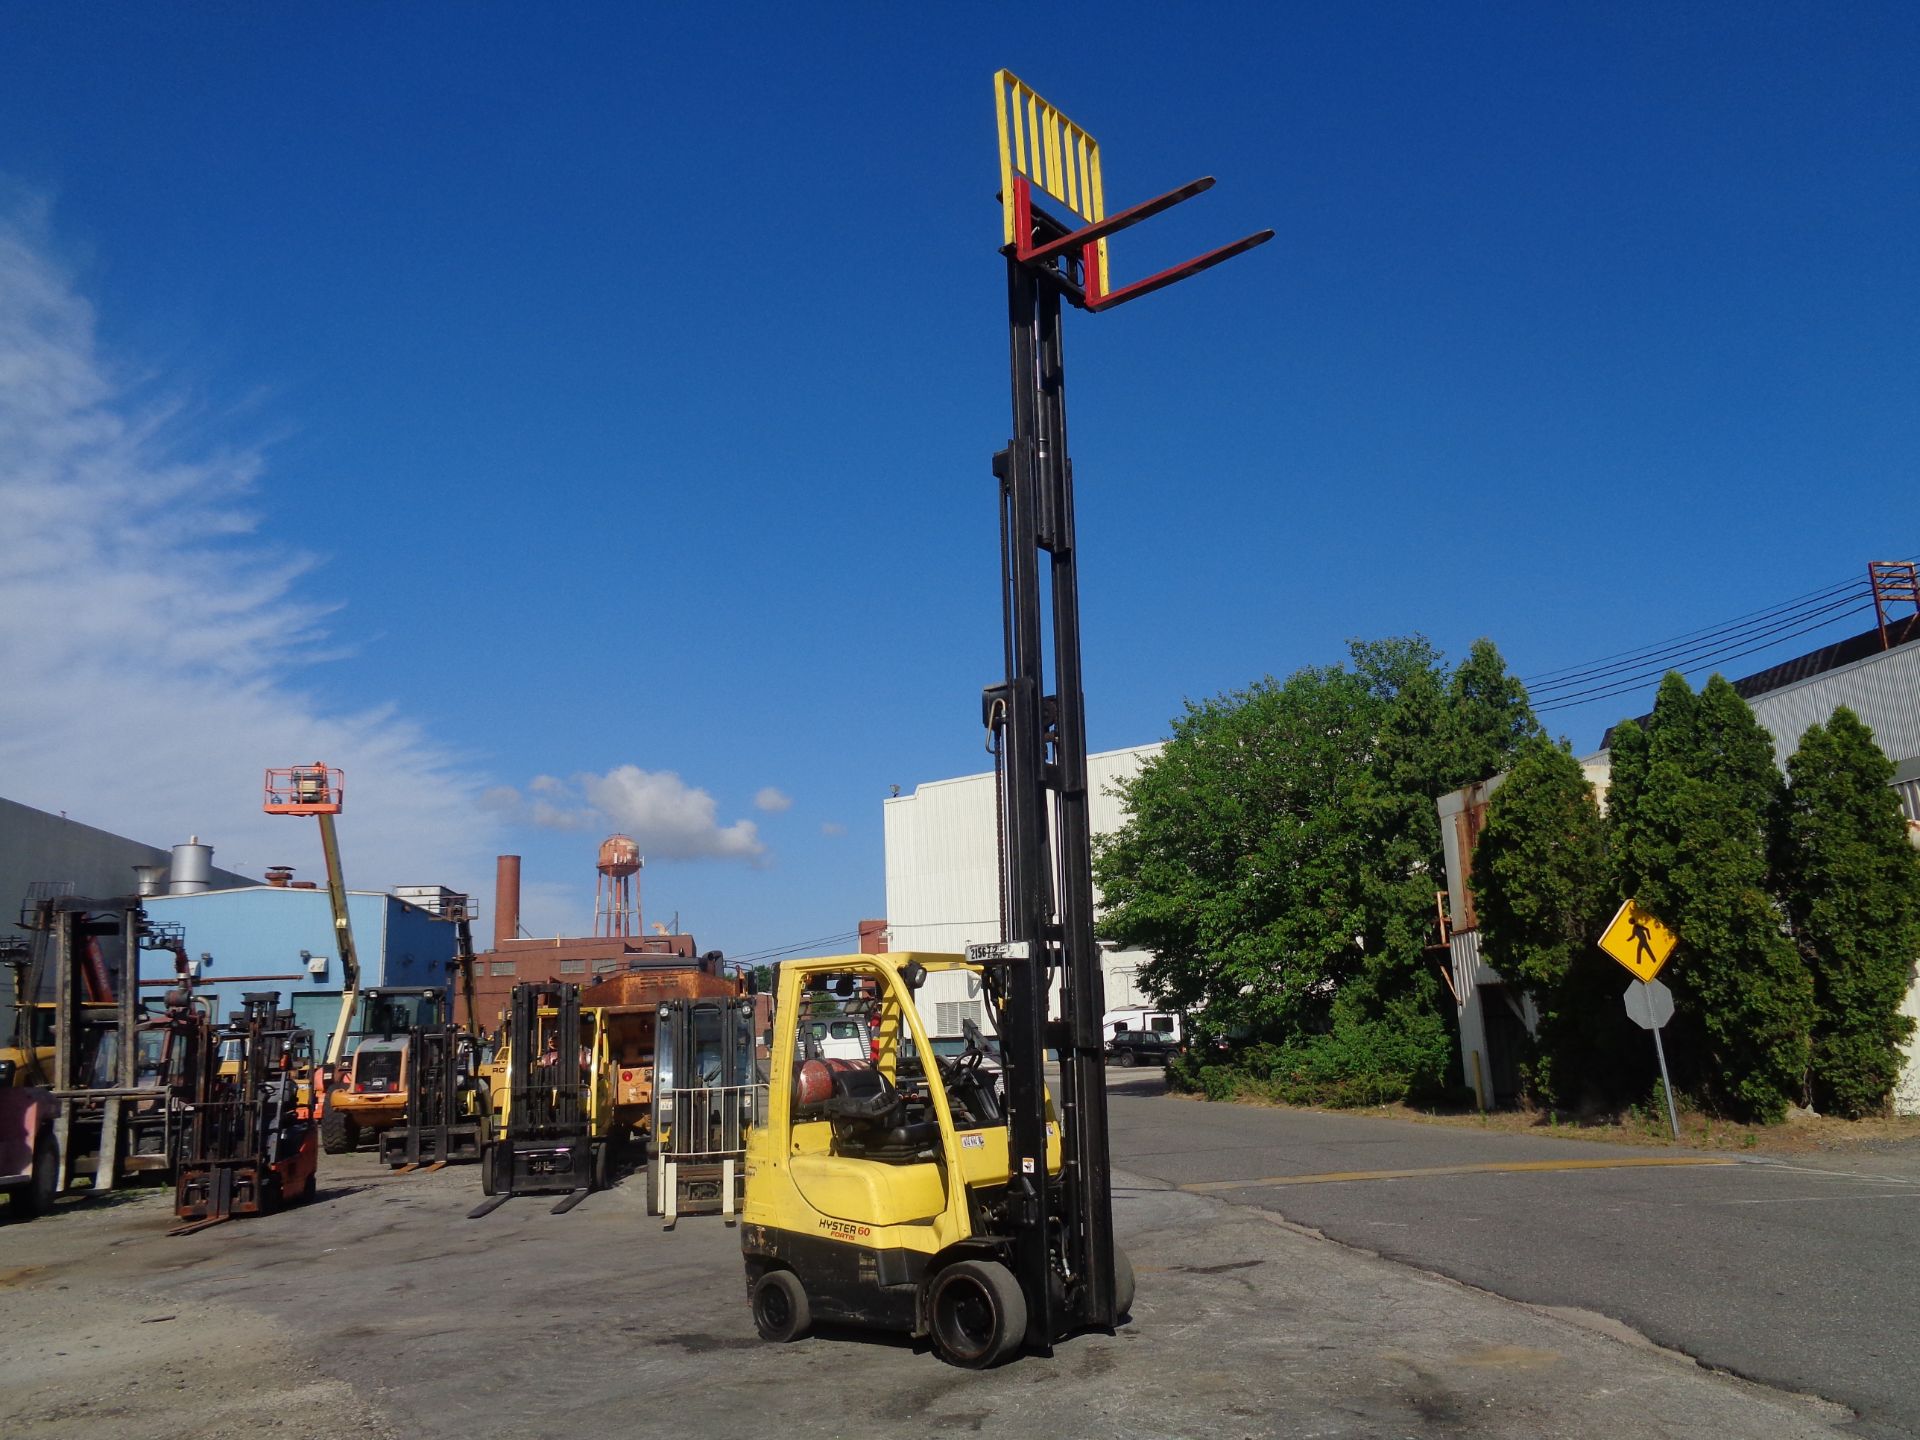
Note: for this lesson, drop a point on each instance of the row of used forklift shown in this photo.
(961, 1196)
(101, 1089)
(654, 1075)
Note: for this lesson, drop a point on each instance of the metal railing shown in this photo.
(702, 1126)
(707, 1123)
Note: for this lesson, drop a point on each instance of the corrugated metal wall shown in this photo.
(1883, 690)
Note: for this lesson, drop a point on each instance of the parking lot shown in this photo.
(382, 1310)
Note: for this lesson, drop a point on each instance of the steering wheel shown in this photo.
(965, 1069)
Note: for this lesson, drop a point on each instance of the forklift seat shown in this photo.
(871, 1119)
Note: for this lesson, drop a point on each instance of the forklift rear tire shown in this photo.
(978, 1314)
(338, 1134)
(780, 1309)
(1122, 1284)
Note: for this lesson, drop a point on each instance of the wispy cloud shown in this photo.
(772, 800)
(153, 639)
(832, 827)
(668, 818)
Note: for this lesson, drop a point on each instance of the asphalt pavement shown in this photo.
(382, 1311)
(1798, 1274)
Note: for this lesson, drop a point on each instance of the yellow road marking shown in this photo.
(1497, 1167)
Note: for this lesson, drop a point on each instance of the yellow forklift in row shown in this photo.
(548, 1132)
(658, 1079)
(948, 1204)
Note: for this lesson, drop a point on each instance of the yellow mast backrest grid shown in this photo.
(1055, 154)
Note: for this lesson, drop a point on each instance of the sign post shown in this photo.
(1642, 944)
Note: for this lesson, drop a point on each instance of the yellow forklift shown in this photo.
(548, 1133)
(952, 1205)
(887, 1195)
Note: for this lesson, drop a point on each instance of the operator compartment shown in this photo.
(867, 1143)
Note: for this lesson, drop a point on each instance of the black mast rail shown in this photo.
(1062, 1234)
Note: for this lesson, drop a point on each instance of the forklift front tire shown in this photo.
(488, 1184)
(780, 1310)
(1122, 1285)
(978, 1314)
(338, 1133)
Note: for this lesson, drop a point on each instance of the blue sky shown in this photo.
(606, 393)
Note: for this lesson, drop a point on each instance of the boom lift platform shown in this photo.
(321, 791)
(852, 1201)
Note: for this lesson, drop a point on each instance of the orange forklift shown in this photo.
(249, 1146)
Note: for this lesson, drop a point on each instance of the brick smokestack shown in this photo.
(506, 899)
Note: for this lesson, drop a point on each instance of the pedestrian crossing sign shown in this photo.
(1638, 941)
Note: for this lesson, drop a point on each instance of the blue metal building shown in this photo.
(270, 937)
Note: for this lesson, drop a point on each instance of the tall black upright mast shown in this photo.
(1063, 1234)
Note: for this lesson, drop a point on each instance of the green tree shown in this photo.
(1489, 717)
(1238, 866)
(1541, 894)
(1689, 814)
(1852, 886)
(1281, 855)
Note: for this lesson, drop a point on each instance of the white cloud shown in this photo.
(772, 800)
(152, 640)
(668, 818)
(832, 827)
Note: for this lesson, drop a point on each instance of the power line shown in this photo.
(791, 948)
(1701, 656)
(1689, 635)
(1624, 687)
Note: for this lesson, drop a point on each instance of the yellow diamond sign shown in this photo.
(1638, 941)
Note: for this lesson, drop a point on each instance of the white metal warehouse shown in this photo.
(943, 880)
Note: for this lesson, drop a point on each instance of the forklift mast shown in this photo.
(464, 963)
(1062, 1236)
(549, 1103)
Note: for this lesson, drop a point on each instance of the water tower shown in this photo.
(616, 908)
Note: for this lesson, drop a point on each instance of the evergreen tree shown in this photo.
(1689, 815)
(1852, 885)
(1541, 894)
(1489, 717)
